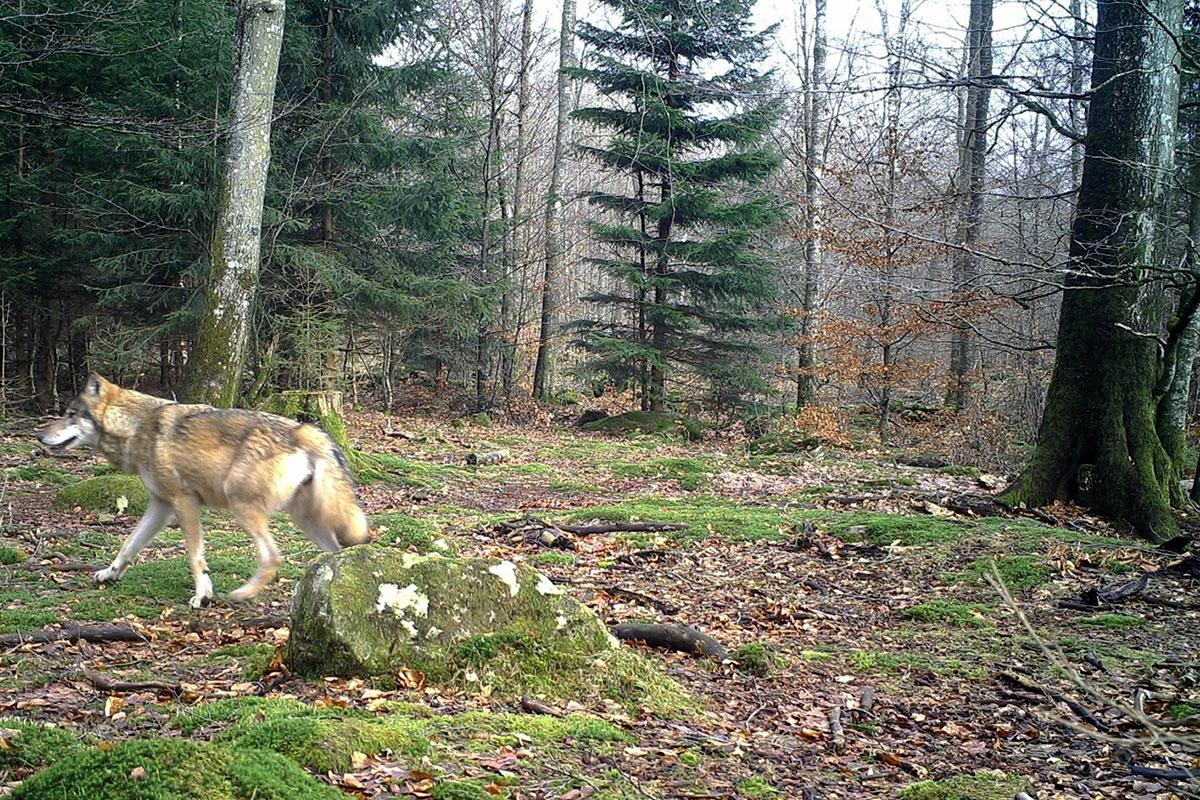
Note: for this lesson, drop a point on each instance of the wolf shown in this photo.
(190, 456)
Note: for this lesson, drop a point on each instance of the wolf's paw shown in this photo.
(108, 575)
(204, 594)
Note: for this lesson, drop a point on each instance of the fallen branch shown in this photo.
(637, 558)
(1078, 709)
(646, 600)
(1166, 774)
(107, 684)
(623, 527)
(533, 706)
(487, 459)
(837, 736)
(75, 633)
(671, 637)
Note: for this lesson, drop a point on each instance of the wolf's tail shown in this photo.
(326, 503)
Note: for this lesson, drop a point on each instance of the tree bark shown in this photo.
(1098, 443)
(543, 368)
(214, 371)
(973, 148)
(814, 163)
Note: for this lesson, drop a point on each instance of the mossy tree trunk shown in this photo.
(214, 371)
(1098, 442)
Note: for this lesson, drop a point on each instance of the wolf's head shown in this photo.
(80, 425)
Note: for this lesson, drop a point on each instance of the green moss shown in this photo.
(689, 758)
(325, 743)
(983, 785)
(478, 650)
(691, 473)
(704, 513)
(948, 612)
(105, 493)
(397, 529)
(252, 658)
(173, 769)
(754, 657)
(1113, 621)
(10, 555)
(235, 709)
(1017, 572)
(1184, 710)
(879, 661)
(789, 441)
(647, 422)
(756, 787)
(31, 746)
(552, 558)
(541, 728)
(41, 472)
(884, 529)
(461, 790)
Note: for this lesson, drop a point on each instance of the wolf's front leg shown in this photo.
(188, 511)
(157, 515)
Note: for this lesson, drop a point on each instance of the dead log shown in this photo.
(670, 637)
(106, 684)
(487, 459)
(75, 633)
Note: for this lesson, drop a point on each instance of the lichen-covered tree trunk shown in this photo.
(815, 129)
(973, 148)
(543, 368)
(1098, 443)
(214, 371)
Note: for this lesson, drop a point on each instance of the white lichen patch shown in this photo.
(434, 630)
(409, 627)
(409, 560)
(399, 600)
(506, 571)
(441, 544)
(546, 586)
(613, 642)
(560, 622)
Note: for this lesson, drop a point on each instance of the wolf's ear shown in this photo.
(94, 386)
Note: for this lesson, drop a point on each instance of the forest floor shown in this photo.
(868, 595)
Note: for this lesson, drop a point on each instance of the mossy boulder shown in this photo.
(983, 785)
(112, 493)
(646, 422)
(370, 610)
(174, 769)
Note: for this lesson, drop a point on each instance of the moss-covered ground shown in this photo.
(833, 577)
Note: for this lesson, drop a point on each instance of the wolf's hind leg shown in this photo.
(157, 515)
(187, 508)
(254, 519)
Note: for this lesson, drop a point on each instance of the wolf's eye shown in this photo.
(70, 413)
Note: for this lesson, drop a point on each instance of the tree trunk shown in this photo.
(543, 369)
(814, 162)
(973, 148)
(214, 371)
(1097, 443)
(514, 293)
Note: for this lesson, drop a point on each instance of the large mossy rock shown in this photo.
(370, 611)
(646, 422)
(174, 769)
(111, 493)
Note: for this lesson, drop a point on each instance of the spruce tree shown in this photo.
(687, 109)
